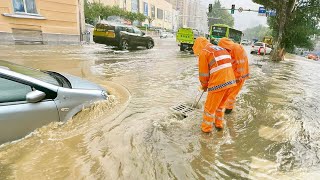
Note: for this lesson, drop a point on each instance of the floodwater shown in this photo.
(274, 132)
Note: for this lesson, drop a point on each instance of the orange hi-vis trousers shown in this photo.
(213, 110)
(234, 91)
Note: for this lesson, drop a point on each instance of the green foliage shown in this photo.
(301, 19)
(257, 32)
(141, 17)
(95, 10)
(92, 11)
(219, 15)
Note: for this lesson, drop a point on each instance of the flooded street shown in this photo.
(274, 132)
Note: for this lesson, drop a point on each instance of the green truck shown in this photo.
(186, 37)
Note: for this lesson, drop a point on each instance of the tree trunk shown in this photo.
(278, 51)
(284, 12)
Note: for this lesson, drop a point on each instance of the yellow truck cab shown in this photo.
(268, 40)
(186, 37)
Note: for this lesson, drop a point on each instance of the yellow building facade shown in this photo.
(41, 21)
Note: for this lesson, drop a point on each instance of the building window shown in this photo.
(25, 6)
(135, 6)
(153, 11)
(159, 13)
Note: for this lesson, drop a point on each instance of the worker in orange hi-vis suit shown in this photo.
(216, 76)
(240, 68)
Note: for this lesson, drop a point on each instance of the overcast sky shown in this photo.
(245, 19)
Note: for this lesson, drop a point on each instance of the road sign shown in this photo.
(262, 11)
(271, 13)
(240, 9)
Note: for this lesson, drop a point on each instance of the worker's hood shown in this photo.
(199, 44)
(226, 43)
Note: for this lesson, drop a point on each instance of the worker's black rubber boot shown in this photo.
(228, 111)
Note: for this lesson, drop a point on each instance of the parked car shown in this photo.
(166, 35)
(265, 48)
(30, 99)
(122, 36)
(245, 42)
(312, 56)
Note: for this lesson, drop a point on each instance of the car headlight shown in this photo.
(105, 95)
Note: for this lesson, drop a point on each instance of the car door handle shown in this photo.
(65, 109)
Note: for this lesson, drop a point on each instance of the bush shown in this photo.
(94, 10)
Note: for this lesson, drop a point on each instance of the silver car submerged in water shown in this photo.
(31, 98)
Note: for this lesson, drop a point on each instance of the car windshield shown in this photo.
(195, 33)
(235, 35)
(219, 32)
(258, 44)
(34, 73)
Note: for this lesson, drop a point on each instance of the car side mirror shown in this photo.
(35, 96)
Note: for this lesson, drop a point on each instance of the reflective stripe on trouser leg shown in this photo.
(219, 119)
(230, 103)
(214, 100)
(207, 123)
(233, 92)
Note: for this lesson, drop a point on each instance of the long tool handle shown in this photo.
(195, 105)
(195, 99)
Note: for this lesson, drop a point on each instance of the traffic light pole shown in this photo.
(249, 10)
(233, 8)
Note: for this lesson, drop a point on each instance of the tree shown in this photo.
(131, 16)
(294, 23)
(95, 10)
(150, 19)
(257, 32)
(92, 11)
(141, 17)
(220, 15)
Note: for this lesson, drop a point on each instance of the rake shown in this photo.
(184, 109)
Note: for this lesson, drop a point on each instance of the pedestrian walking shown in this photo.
(240, 66)
(216, 76)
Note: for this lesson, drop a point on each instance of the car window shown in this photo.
(129, 30)
(258, 44)
(11, 91)
(195, 33)
(137, 31)
(34, 73)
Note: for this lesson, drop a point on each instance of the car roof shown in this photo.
(6, 73)
(115, 24)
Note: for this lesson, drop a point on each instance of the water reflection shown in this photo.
(272, 134)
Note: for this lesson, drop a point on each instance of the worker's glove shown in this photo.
(201, 88)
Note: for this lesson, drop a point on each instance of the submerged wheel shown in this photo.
(182, 48)
(150, 45)
(124, 45)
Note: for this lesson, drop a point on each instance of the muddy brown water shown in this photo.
(272, 134)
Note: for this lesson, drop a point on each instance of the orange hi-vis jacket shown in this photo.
(215, 68)
(240, 63)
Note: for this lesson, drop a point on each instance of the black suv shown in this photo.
(122, 36)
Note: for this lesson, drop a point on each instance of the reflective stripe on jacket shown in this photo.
(215, 68)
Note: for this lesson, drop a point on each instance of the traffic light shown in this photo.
(233, 7)
(210, 8)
